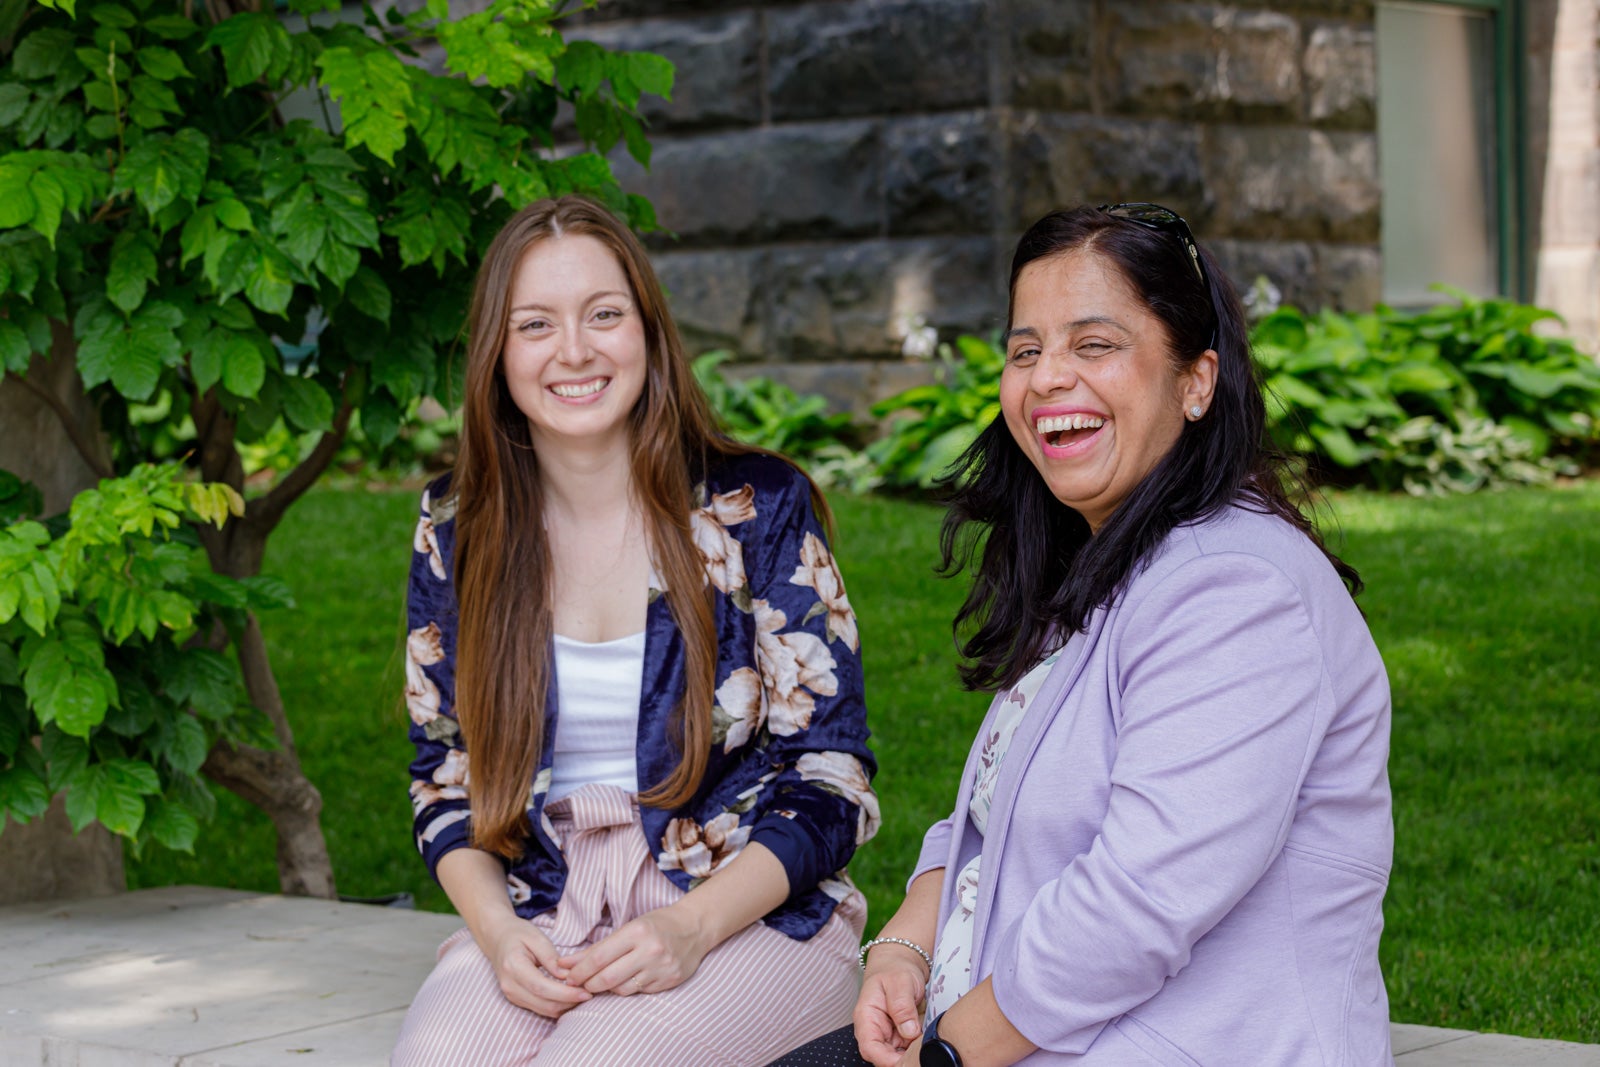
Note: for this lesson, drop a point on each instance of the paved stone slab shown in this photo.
(208, 978)
(194, 977)
(1500, 1050)
(1408, 1037)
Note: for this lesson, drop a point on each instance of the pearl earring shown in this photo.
(1196, 411)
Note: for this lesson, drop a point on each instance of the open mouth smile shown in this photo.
(1065, 431)
(579, 390)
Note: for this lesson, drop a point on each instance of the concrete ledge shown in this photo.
(194, 977)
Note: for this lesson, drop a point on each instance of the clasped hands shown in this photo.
(650, 954)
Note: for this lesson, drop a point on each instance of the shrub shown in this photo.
(766, 413)
(1460, 397)
(1452, 399)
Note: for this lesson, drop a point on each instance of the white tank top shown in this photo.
(597, 713)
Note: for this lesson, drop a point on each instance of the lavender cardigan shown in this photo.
(1191, 836)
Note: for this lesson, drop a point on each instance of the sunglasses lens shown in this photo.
(1151, 213)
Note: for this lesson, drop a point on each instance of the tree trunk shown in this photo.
(45, 860)
(271, 780)
(274, 782)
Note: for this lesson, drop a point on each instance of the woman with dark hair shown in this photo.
(1172, 837)
(635, 694)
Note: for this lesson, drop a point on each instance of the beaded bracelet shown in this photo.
(861, 957)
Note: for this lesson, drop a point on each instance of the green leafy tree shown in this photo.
(218, 271)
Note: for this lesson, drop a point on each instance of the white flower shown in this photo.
(723, 555)
(520, 892)
(844, 774)
(427, 794)
(424, 540)
(741, 700)
(453, 771)
(699, 851)
(423, 647)
(794, 666)
(818, 571)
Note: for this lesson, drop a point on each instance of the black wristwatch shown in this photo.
(936, 1051)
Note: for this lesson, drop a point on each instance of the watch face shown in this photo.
(937, 1053)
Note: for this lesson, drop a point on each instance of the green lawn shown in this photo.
(1486, 609)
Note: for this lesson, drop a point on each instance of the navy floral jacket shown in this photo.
(789, 764)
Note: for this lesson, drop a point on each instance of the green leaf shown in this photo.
(243, 369)
(304, 233)
(582, 67)
(267, 593)
(368, 292)
(374, 94)
(205, 680)
(650, 72)
(172, 27)
(83, 798)
(113, 15)
(41, 53)
(16, 201)
(380, 418)
(161, 169)
(306, 404)
(187, 746)
(133, 267)
(162, 63)
(134, 775)
(49, 200)
(14, 99)
(119, 806)
(350, 221)
(638, 144)
(338, 261)
(269, 281)
(254, 44)
(23, 793)
(131, 357)
(68, 757)
(173, 825)
(15, 351)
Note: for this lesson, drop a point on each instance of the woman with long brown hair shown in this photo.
(635, 692)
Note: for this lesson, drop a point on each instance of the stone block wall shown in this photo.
(835, 171)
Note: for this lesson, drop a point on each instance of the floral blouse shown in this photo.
(789, 765)
(951, 976)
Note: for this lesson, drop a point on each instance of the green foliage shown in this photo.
(1452, 399)
(1456, 398)
(239, 287)
(766, 413)
(931, 425)
(152, 195)
(107, 687)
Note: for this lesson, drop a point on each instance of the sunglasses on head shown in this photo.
(1162, 220)
(1167, 221)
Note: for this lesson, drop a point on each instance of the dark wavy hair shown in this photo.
(1041, 572)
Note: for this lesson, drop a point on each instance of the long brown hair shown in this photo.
(502, 554)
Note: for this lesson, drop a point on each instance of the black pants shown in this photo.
(836, 1049)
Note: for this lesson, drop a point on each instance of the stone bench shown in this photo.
(194, 977)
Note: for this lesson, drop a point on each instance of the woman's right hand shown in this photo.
(888, 1016)
(528, 968)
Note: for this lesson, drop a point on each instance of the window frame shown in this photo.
(1506, 31)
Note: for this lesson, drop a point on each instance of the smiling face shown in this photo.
(575, 358)
(1089, 391)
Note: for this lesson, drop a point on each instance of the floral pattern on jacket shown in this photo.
(789, 764)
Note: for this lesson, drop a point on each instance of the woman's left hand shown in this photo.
(651, 954)
(913, 1054)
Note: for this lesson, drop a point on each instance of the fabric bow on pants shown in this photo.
(754, 996)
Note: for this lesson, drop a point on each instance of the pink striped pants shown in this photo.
(754, 997)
